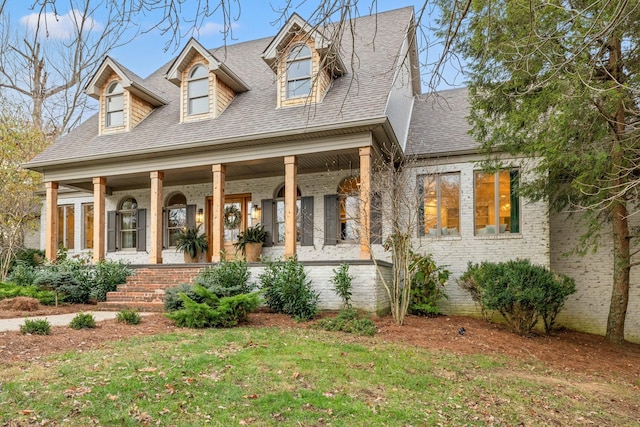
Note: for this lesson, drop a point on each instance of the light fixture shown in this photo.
(200, 216)
(255, 213)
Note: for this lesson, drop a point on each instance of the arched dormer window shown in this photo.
(176, 217)
(299, 71)
(114, 105)
(349, 199)
(128, 223)
(198, 90)
(279, 229)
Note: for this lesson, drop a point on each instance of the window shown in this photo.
(176, 217)
(87, 226)
(280, 215)
(128, 223)
(440, 204)
(66, 226)
(198, 90)
(349, 201)
(299, 71)
(497, 203)
(114, 105)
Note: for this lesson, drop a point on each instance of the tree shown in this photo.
(19, 203)
(48, 60)
(558, 81)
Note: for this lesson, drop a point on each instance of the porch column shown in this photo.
(99, 214)
(51, 239)
(290, 205)
(155, 252)
(217, 231)
(365, 202)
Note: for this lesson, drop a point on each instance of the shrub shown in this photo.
(172, 300)
(227, 278)
(520, 291)
(342, 284)
(83, 321)
(36, 327)
(130, 317)
(8, 290)
(106, 277)
(348, 320)
(22, 274)
(63, 283)
(287, 289)
(427, 285)
(213, 312)
(28, 257)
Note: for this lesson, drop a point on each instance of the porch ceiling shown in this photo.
(258, 168)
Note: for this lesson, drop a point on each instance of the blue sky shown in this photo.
(148, 50)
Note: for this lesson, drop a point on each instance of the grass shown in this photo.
(269, 377)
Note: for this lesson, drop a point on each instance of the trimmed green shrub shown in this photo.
(22, 274)
(213, 312)
(287, 289)
(106, 276)
(83, 321)
(342, 284)
(348, 320)
(172, 300)
(36, 327)
(427, 285)
(520, 291)
(9, 290)
(130, 317)
(227, 278)
(28, 257)
(64, 285)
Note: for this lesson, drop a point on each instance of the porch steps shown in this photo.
(145, 290)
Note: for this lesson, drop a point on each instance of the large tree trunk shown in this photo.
(621, 269)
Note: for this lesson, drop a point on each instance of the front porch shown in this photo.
(145, 290)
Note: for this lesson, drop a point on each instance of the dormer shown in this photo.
(125, 100)
(305, 62)
(207, 86)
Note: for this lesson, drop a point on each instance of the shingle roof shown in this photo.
(439, 125)
(359, 95)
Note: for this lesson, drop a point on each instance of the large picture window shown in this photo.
(114, 105)
(87, 226)
(66, 225)
(198, 90)
(440, 204)
(497, 204)
(299, 71)
(128, 222)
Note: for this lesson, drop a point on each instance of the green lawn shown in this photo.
(261, 377)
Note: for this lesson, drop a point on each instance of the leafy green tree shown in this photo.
(558, 81)
(19, 204)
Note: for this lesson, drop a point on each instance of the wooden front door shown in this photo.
(236, 219)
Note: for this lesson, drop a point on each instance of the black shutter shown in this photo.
(165, 230)
(376, 219)
(331, 219)
(306, 221)
(191, 216)
(111, 230)
(267, 219)
(141, 231)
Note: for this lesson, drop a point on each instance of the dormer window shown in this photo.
(198, 90)
(114, 105)
(299, 71)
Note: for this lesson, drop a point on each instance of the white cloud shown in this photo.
(58, 26)
(213, 28)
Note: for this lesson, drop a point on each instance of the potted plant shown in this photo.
(192, 243)
(250, 242)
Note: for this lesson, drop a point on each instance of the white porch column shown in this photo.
(365, 202)
(155, 252)
(290, 205)
(217, 231)
(99, 214)
(51, 239)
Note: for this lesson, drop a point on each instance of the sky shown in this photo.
(148, 48)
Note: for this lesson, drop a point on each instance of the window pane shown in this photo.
(115, 103)
(509, 202)
(70, 227)
(430, 206)
(177, 218)
(61, 226)
(281, 232)
(129, 203)
(173, 237)
(485, 203)
(128, 221)
(280, 211)
(300, 51)
(198, 88)
(198, 71)
(128, 239)
(298, 88)
(115, 119)
(87, 223)
(177, 199)
(450, 204)
(299, 69)
(199, 105)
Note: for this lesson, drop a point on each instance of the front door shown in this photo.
(236, 211)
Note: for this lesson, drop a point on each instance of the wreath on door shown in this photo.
(232, 217)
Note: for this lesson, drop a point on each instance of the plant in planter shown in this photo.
(192, 243)
(250, 242)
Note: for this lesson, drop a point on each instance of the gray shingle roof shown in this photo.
(359, 95)
(439, 125)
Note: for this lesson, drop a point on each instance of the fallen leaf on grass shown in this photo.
(250, 396)
(147, 369)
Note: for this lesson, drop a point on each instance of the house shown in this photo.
(280, 131)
